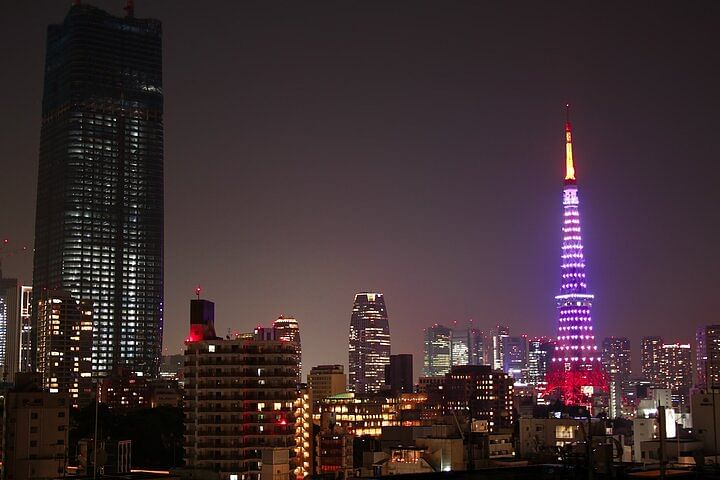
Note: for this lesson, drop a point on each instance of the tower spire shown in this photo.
(569, 164)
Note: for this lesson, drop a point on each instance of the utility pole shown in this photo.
(589, 446)
(661, 427)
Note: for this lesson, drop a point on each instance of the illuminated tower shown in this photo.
(369, 345)
(289, 331)
(437, 351)
(576, 371)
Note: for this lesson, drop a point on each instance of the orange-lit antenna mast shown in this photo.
(569, 164)
(197, 292)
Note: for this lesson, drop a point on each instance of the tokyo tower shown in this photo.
(575, 372)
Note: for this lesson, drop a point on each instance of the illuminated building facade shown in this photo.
(25, 354)
(99, 215)
(124, 390)
(64, 355)
(9, 334)
(459, 348)
(540, 351)
(240, 398)
(515, 357)
(361, 415)
(476, 346)
(303, 433)
(497, 354)
(289, 330)
(616, 357)
(575, 370)
(618, 366)
(485, 393)
(415, 409)
(651, 358)
(369, 343)
(676, 372)
(433, 389)
(466, 346)
(708, 356)
(437, 351)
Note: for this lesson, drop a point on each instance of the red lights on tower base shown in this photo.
(576, 386)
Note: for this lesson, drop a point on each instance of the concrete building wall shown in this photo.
(36, 435)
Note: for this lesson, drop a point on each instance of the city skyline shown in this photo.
(440, 187)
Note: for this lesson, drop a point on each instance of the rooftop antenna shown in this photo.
(197, 292)
(569, 163)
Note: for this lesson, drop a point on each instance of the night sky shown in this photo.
(317, 149)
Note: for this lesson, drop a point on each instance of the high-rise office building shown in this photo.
(515, 357)
(99, 215)
(651, 358)
(399, 374)
(575, 370)
(437, 351)
(497, 338)
(617, 363)
(676, 372)
(26, 353)
(325, 381)
(64, 355)
(289, 330)
(459, 348)
(476, 346)
(369, 345)
(485, 393)
(466, 346)
(540, 351)
(616, 357)
(708, 356)
(9, 327)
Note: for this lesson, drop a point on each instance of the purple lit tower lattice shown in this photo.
(575, 371)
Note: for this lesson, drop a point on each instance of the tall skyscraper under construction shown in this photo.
(99, 220)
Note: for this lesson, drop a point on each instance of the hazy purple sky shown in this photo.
(316, 149)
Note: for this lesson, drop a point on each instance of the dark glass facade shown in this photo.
(99, 221)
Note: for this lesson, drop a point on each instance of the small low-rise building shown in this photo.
(682, 450)
(36, 434)
(705, 412)
(361, 415)
(541, 436)
(333, 449)
(406, 460)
